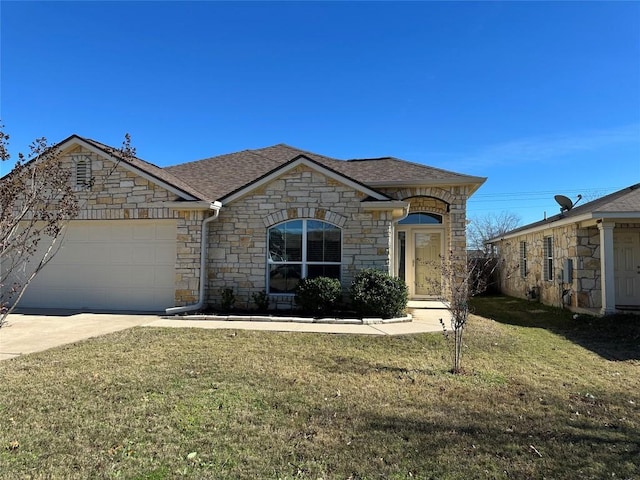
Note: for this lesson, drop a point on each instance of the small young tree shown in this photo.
(37, 200)
(464, 280)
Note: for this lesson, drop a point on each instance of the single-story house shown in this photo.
(150, 238)
(586, 258)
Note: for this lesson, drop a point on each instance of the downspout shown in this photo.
(215, 206)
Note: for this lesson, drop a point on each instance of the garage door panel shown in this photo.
(146, 254)
(147, 232)
(110, 265)
(139, 277)
(166, 232)
(76, 234)
(160, 279)
(121, 254)
(125, 232)
(97, 232)
(164, 254)
(77, 255)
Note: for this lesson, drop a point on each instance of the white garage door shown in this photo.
(109, 265)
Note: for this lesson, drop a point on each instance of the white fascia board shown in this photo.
(384, 205)
(189, 205)
(473, 182)
(557, 223)
(314, 166)
(617, 215)
(127, 166)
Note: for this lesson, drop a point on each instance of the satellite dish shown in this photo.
(565, 202)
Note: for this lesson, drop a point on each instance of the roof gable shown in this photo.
(140, 167)
(220, 176)
(291, 165)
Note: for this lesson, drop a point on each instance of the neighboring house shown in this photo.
(148, 238)
(586, 258)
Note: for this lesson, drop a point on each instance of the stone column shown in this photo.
(607, 274)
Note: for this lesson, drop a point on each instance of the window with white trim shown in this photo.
(303, 248)
(547, 254)
(523, 259)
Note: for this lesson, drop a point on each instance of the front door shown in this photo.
(418, 257)
(626, 251)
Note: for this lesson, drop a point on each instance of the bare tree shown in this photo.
(36, 202)
(463, 280)
(491, 225)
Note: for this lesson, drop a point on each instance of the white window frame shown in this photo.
(523, 258)
(547, 254)
(304, 263)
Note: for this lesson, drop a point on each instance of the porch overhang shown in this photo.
(398, 208)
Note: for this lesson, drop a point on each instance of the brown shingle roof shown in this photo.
(149, 168)
(623, 201)
(221, 175)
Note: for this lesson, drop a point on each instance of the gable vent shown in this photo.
(83, 172)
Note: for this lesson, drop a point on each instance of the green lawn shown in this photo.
(543, 396)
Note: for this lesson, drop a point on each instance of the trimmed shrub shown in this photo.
(261, 299)
(377, 294)
(228, 299)
(318, 295)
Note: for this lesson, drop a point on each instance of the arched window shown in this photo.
(300, 249)
(421, 219)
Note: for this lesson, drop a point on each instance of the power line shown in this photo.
(582, 191)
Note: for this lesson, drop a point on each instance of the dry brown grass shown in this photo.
(166, 403)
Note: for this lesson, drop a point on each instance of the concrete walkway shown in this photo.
(28, 332)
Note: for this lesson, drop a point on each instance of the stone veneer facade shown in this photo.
(581, 245)
(450, 203)
(237, 240)
(117, 193)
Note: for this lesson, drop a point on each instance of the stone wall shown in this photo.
(449, 202)
(580, 245)
(532, 284)
(238, 239)
(117, 193)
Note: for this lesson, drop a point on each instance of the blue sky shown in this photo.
(541, 97)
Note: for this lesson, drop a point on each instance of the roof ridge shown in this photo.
(254, 152)
(369, 159)
(308, 152)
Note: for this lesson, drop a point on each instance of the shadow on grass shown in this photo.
(515, 447)
(614, 337)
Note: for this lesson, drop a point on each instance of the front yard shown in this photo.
(542, 397)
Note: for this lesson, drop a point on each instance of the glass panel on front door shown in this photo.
(427, 275)
(402, 251)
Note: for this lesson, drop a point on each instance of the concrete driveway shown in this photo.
(34, 332)
(28, 333)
